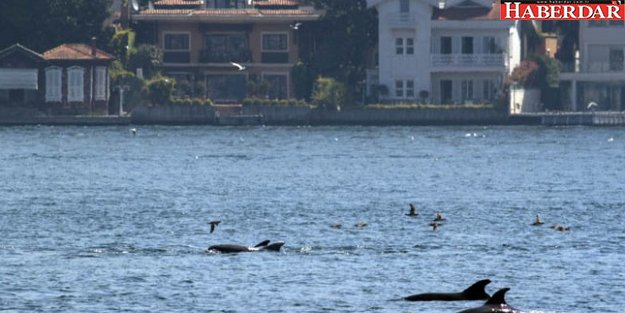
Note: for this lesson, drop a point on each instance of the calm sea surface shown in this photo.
(98, 220)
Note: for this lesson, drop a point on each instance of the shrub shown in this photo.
(160, 90)
(146, 57)
(328, 91)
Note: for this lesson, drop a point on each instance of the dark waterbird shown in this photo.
(496, 304)
(474, 292)
(213, 225)
(413, 211)
(233, 248)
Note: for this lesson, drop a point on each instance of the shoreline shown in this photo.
(236, 115)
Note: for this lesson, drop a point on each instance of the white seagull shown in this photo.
(238, 66)
(592, 105)
(296, 25)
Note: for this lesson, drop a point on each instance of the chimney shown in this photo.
(93, 46)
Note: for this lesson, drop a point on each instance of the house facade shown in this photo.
(598, 75)
(20, 74)
(201, 39)
(70, 79)
(447, 52)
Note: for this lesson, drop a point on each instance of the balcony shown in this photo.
(402, 19)
(176, 57)
(468, 60)
(275, 57)
(220, 56)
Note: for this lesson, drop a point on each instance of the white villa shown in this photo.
(599, 73)
(444, 51)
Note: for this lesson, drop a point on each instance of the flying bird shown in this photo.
(238, 66)
(214, 225)
(592, 106)
(296, 25)
(537, 221)
(133, 131)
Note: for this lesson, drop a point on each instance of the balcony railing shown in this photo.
(275, 57)
(176, 57)
(402, 19)
(593, 67)
(213, 56)
(468, 60)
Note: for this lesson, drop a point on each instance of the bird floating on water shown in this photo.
(213, 225)
(413, 211)
(435, 225)
(336, 225)
(439, 217)
(361, 224)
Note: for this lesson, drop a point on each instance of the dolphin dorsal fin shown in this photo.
(477, 288)
(262, 243)
(498, 297)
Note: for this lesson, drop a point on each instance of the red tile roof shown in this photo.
(228, 12)
(174, 3)
(263, 3)
(75, 51)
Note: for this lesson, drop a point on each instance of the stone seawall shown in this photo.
(174, 114)
(409, 117)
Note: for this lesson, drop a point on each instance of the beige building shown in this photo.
(201, 40)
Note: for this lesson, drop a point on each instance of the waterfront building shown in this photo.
(598, 74)
(443, 51)
(70, 79)
(201, 40)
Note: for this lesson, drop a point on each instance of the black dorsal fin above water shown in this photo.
(498, 297)
(476, 291)
(262, 243)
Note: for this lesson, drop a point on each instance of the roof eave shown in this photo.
(227, 18)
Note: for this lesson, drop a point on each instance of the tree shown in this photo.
(44, 24)
(345, 34)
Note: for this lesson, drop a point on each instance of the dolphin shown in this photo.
(475, 292)
(261, 246)
(496, 304)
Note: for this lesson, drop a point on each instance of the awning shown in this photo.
(18, 78)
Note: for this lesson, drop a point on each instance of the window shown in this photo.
(488, 89)
(404, 6)
(467, 45)
(275, 42)
(409, 46)
(176, 42)
(404, 46)
(404, 88)
(399, 88)
(75, 84)
(446, 91)
(616, 59)
(467, 90)
(100, 83)
(445, 45)
(53, 84)
(278, 88)
(399, 46)
(490, 45)
(410, 89)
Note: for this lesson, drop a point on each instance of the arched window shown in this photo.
(53, 84)
(75, 84)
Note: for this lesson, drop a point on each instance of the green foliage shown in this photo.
(344, 39)
(302, 79)
(134, 86)
(159, 90)
(536, 72)
(253, 101)
(147, 57)
(192, 101)
(329, 92)
(44, 24)
(121, 44)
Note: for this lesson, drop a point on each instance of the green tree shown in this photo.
(147, 57)
(160, 90)
(44, 24)
(329, 93)
(344, 36)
